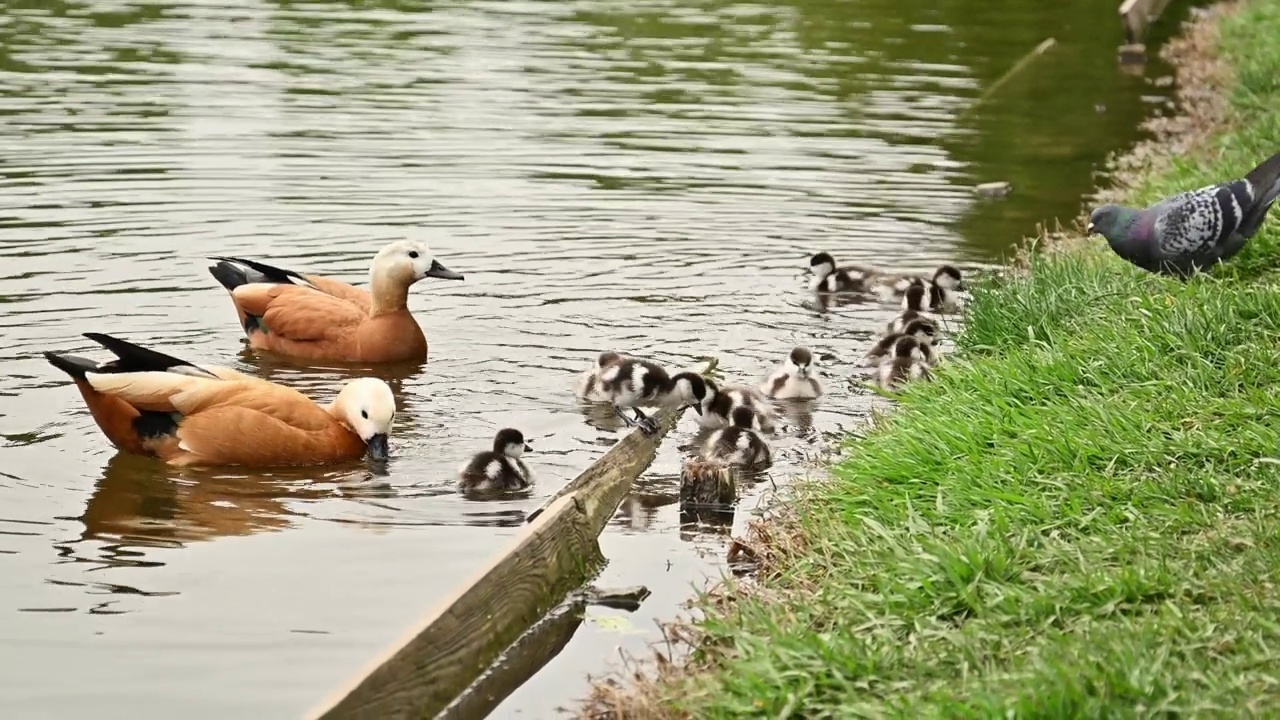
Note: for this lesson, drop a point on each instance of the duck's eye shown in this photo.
(364, 414)
(413, 254)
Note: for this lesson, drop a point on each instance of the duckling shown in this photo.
(827, 278)
(721, 401)
(739, 444)
(922, 330)
(633, 382)
(941, 288)
(500, 468)
(913, 303)
(588, 387)
(906, 364)
(797, 379)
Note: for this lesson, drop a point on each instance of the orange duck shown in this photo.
(149, 403)
(319, 318)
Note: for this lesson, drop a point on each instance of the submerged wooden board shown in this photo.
(454, 644)
(603, 485)
(531, 652)
(1137, 16)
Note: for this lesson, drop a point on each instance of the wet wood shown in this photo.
(1132, 54)
(993, 190)
(602, 486)
(1137, 16)
(531, 652)
(457, 640)
(707, 484)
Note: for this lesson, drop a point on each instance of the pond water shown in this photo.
(647, 176)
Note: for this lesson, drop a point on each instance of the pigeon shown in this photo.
(1192, 230)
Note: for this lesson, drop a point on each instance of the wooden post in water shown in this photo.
(1137, 16)
(457, 640)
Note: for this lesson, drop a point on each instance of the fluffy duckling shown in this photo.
(892, 287)
(913, 302)
(940, 292)
(828, 278)
(634, 382)
(500, 468)
(319, 318)
(739, 444)
(721, 401)
(797, 379)
(906, 364)
(588, 387)
(149, 403)
(922, 330)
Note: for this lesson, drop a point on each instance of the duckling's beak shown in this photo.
(527, 448)
(377, 448)
(1089, 229)
(439, 271)
(697, 407)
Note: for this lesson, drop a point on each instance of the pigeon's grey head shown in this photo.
(1112, 222)
(822, 264)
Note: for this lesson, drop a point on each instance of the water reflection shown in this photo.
(144, 501)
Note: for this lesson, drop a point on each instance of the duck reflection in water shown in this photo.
(144, 501)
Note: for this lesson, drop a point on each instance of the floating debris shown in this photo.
(997, 189)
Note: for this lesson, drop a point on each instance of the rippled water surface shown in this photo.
(647, 176)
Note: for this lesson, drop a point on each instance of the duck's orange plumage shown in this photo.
(149, 403)
(320, 318)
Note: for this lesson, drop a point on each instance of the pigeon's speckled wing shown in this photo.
(1196, 223)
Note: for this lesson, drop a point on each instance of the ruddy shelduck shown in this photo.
(149, 403)
(319, 318)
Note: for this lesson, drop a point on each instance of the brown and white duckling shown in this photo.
(940, 292)
(500, 468)
(923, 330)
(722, 400)
(828, 278)
(739, 444)
(631, 382)
(589, 381)
(893, 286)
(905, 364)
(797, 379)
(913, 303)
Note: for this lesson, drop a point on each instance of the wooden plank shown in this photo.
(455, 642)
(522, 661)
(1137, 15)
(603, 485)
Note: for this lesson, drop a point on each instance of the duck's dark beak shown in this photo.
(439, 271)
(377, 447)
(527, 448)
(697, 407)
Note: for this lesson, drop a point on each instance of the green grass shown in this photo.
(1079, 518)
